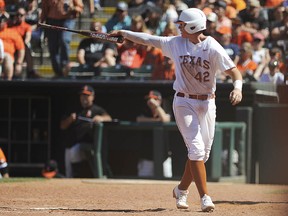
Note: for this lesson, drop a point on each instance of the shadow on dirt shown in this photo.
(116, 210)
(247, 202)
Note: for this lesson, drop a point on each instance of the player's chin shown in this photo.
(184, 35)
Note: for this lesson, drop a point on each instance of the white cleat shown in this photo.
(207, 204)
(181, 198)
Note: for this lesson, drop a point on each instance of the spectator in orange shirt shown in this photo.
(167, 72)
(246, 65)
(131, 54)
(18, 23)
(12, 42)
(155, 58)
(239, 35)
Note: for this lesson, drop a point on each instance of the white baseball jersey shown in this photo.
(196, 64)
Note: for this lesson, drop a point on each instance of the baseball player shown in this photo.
(197, 59)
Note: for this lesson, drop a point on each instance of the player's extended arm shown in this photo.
(139, 37)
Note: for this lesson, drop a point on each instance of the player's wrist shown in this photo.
(238, 84)
(123, 33)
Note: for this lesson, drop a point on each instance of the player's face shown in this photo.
(181, 26)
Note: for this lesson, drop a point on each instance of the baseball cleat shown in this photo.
(181, 198)
(207, 204)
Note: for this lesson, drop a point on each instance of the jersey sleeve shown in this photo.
(221, 60)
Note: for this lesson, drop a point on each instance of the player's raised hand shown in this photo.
(115, 33)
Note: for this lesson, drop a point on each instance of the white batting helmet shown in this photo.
(194, 18)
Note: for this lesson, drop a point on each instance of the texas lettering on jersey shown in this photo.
(196, 66)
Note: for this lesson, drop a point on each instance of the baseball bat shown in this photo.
(101, 36)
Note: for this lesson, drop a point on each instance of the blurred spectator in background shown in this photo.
(232, 49)
(274, 74)
(136, 3)
(138, 24)
(14, 50)
(276, 16)
(239, 5)
(3, 8)
(89, 5)
(77, 131)
(131, 54)
(50, 170)
(2, 54)
(33, 14)
(277, 54)
(224, 37)
(154, 57)
(279, 34)
(97, 5)
(261, 54)
(151, 56)
(231, 12)
(18, 23)
(120, 19)
(4, 173)
(211, 24)
(245, 64)
(60, 13)
(180, 6)
(273, 3)
(255, 18)
(239, 34)
(167, 70)
(154, 23)
(169, 12)
(223, 20)
(152, 112)
(94, 53)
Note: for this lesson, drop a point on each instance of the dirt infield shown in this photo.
(134, 197)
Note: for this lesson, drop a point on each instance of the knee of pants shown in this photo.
(196, 148)
(196, 155)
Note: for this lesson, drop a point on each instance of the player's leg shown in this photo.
(190, 124)
(207, 124)
(180, 192)
(184, 116)
(199, 172)
(187, 177)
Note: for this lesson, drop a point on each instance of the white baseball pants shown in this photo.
(196, 122)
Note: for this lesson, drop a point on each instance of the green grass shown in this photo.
(12, 180)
